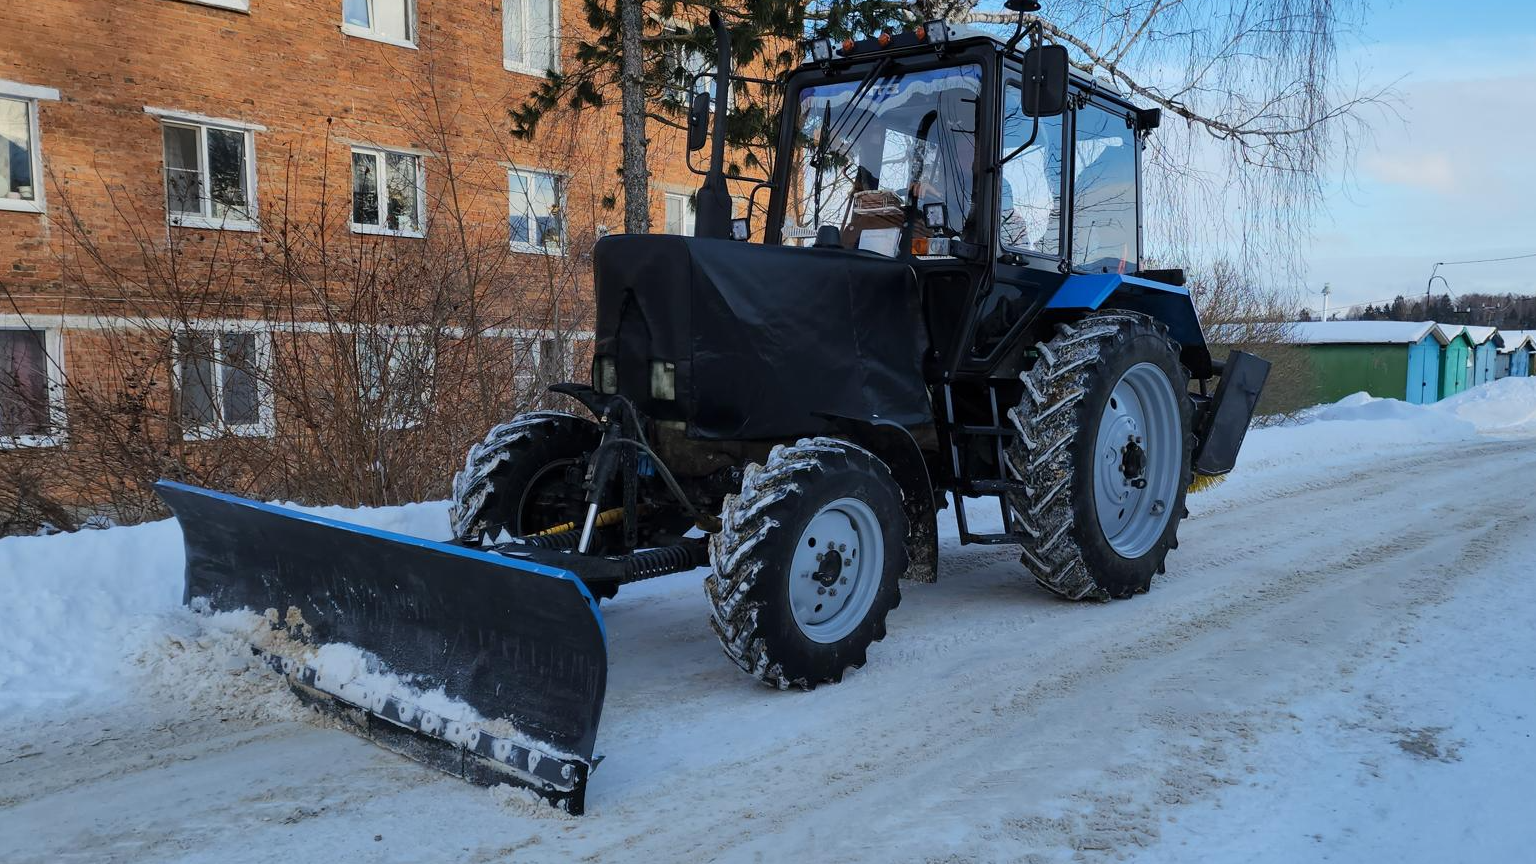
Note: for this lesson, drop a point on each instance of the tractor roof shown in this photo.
(956, 36)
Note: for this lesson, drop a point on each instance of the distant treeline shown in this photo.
(1505, 311)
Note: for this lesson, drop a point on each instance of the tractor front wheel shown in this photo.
(807, 562)
(1103, 451)
(523, 478)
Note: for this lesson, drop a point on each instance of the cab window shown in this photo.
(1103, 192)
(1030, 212)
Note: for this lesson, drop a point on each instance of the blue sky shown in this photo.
(1453, 176)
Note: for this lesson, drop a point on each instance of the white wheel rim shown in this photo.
(836, 570)
(1139, 440)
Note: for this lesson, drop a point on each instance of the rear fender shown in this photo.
(1170, 304)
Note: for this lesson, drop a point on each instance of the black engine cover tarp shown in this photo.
(765, 338)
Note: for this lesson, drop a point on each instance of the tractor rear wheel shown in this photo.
(807, 561)
(520, 478)
(1103, 451)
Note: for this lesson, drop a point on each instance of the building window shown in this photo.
(392, 21)
(21, 156)
(679, 214)
(210, 176)
(531, 36)
(394, 370)
(690, 71)
(537, 213)
(387, 193)
(233, 5)
(221, 383)
(31, 388)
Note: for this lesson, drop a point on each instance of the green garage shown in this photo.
(1389, 359)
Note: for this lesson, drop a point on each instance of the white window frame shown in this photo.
(265, 400)
(519, 65)
(692, 61)
(53, 347)
(690, 217)
(382, 228)
(231, 5)
(202, 125)
(368, 32)
(565, 225)
(370, 392)
(30, 96)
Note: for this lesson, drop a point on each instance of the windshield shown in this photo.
(867, 157)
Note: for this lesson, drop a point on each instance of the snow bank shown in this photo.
(1505, 406)
(89, 613)
(97, 614)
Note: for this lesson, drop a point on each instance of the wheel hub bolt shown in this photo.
(821, 590)
(832, 591)
(842, 547)
(843, 581)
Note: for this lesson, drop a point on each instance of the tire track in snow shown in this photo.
(1280, 583)
(994, 723)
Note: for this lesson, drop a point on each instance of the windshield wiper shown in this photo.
(830, 126)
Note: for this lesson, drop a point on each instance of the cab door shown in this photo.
(1030, 226)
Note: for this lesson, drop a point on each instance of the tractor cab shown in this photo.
(994, 172)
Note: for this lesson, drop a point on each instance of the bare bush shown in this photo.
(301, 361)
(1241, 314)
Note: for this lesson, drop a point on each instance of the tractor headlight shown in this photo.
(741, 229)
(821, 50)
(937, 31)
(605, 375)
(663, 380)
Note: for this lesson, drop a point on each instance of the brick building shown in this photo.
(225, 224)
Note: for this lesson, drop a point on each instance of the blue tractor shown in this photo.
(946, 305)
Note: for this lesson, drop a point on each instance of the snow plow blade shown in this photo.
(520, 643)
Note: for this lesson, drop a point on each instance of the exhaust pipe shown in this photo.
(712, 215)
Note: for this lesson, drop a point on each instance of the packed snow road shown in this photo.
(1340, 662)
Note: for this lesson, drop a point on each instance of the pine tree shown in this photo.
(643, 54)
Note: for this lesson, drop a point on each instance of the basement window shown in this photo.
(391, 21)
(222, 385)
(388, 193)
(210, 176)
(394, 370)
(21, 157)
(530, 32)
(31, 388)
(536, 219)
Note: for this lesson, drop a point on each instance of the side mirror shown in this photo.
(698, 122)
(1045, 81)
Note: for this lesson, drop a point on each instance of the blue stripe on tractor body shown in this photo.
(1088, 291)
(462, 552)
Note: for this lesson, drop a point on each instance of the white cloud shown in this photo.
(1429, 171)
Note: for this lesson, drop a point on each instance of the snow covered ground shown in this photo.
(1339, 665)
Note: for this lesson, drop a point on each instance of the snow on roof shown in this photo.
(1365, 332)
(1516, 339)
(1479, 335)
(1451, 331)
